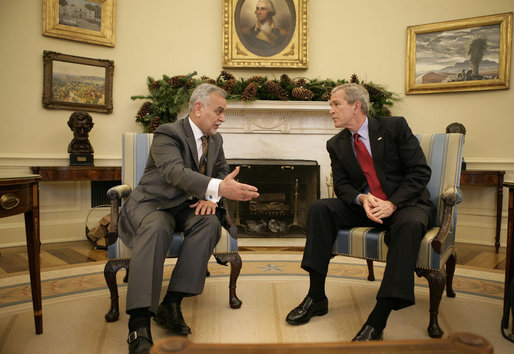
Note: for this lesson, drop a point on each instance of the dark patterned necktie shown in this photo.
(368, 167)
(205, 147)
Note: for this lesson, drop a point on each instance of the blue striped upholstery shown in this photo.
(135, 149)
(444, 156)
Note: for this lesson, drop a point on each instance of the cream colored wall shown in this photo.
(177, 37)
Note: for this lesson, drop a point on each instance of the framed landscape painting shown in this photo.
(77, 83)
(263, 33)
(90, 21)
(464, 55)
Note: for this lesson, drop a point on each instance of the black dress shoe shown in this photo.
(368, 333)
(308, 308)
(140, 341)
(170, 316)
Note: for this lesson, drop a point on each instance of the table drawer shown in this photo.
(15, 200)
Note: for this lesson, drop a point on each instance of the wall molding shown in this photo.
(278, 117)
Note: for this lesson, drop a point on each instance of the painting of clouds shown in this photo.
(458, 55)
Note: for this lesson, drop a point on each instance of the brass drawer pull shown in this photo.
(9, 201)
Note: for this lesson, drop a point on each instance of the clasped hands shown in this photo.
(230, 189)
(376, 209)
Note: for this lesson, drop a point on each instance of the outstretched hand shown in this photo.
(232, 189)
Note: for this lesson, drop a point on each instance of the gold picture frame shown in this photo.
(245, 45)
(90, 21)
(77, 83)
(471, 54)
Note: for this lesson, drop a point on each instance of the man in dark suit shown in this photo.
(185, 176)
(380, 176)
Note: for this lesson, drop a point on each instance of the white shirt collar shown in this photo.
(196, 131)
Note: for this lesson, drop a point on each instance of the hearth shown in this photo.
(286, 187)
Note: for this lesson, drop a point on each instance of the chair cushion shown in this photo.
(368, 243)
(226, 244)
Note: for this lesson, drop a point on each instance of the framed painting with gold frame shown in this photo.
(260, 33)
(90, 21)
(77, 83)
(471, 54)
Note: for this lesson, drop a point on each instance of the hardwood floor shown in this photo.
(14, 261)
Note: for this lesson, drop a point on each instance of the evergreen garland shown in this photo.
(170, 95)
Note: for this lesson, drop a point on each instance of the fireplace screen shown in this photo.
(286, 190)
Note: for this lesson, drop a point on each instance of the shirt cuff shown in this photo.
(212, 190)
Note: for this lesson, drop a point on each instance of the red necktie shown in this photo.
(368, 167)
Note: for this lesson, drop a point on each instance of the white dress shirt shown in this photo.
(212, 189)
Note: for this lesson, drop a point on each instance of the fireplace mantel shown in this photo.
(261, 105)
(279, 130)
(278, 117)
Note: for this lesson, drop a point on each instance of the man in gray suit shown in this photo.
(185, 177)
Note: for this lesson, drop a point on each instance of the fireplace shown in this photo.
(286, 187)
(274, 137)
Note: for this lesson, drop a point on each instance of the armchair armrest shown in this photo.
(115, 195)
(118, 192)
(452, 192)
(451, 196)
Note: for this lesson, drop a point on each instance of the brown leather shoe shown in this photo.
(368, 333)
(170, 316)
(308, 308)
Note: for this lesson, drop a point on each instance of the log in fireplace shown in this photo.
(286, 187)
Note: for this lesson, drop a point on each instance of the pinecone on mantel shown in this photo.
(302, 93)
(250, 91)
(154, 124)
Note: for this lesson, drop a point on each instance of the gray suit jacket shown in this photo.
(171, 175)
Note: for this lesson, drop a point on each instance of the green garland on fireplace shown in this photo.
(170, 95)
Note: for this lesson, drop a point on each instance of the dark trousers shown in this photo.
(405, 230)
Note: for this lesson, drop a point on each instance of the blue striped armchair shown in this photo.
(135, 149)
(437, 252)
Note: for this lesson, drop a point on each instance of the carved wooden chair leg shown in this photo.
(436, 284)
(371, 272)
(127, 270)
(235, 268)
(450, 271)
(110, 271)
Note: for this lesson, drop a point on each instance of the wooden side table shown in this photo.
(21, 195)
(77, 173)
(491, 178)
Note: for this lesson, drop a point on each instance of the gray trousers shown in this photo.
(149, 249)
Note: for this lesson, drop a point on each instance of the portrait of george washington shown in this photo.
(265, 27)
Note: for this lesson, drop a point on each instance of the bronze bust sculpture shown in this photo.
(80, 149)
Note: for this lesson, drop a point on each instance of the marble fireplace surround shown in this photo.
(279, 130)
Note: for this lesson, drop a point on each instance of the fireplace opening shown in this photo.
(287, 188)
